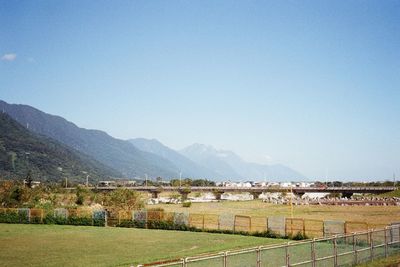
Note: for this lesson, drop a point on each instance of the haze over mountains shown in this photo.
(137, 157)
(228, 164)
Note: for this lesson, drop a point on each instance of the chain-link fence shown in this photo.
(338, 250)
(275, 225)
(56, 216)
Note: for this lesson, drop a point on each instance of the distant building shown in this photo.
(125, 183)
(238, 184)
(106, 184)
(285, 184)
(33, 183)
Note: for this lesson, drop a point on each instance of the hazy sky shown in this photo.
(314, 85)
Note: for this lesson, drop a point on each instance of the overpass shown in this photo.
(255, 191)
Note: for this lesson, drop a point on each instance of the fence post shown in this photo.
(146, 222)
(291, 226)
(335, 260)
(386, 243)
(225, 258)
(371, 245)
(287, 255)
(286, 230)
(258, 257)
(304, 227)
(185, 262)
(354, 248)
(105, 218)
(203, 222)
(313, 253)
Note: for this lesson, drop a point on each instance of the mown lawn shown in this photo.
(369, 214)
(55, 245)
(392, 261)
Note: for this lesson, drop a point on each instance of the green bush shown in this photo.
(15, 216)
(51, 219)
(298, 236)
(35, 220)
(131, 224)
(187, 204)
(73, 220)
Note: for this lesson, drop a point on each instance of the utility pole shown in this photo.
(394, 180)
(291, 201)
(66, 182)
(180, 179)
(87, 180)
(146, 178)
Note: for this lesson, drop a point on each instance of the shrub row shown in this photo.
(14, 217)
(18, 217)
(74, 220)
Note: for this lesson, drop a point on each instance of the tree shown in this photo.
(16, 197)
(124, 199)
(203, 182)
(81, 194)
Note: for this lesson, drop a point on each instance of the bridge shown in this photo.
(255, 191)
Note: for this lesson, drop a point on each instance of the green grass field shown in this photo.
(369, 214)
(392, 261)
(55, 245)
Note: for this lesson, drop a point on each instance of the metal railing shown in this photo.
(338, 250)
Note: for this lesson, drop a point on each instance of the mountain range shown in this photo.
(200, 160)
(118, 154)
(140, 156)
(22, 151)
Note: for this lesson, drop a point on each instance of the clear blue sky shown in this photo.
(314, 85)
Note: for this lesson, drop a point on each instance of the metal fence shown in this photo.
(337, 250)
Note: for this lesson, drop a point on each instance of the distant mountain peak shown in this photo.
(232, 166)
(202, 148)
(184, 164)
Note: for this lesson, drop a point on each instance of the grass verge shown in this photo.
(62, 245)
